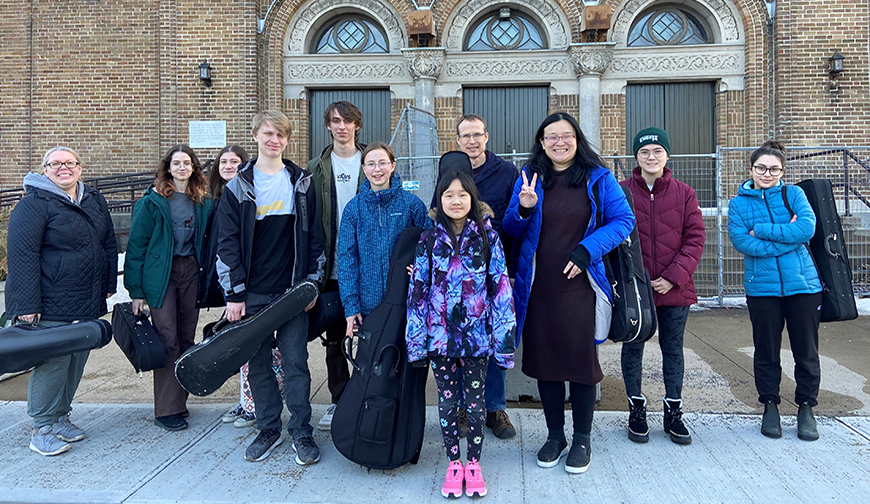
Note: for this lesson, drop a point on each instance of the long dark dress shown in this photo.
(558, 334)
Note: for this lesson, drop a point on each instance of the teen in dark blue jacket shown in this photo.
(370, 226)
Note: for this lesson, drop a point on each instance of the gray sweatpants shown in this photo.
(53, 385)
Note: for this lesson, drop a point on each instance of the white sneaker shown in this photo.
(325, 422)
(245, 420)
(233, 414)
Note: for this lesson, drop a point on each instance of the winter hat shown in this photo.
(656, 136)
(454, 161)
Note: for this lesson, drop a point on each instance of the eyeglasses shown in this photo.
(55, 165)
(380, 164)
(646, 153)
(186, 164)
(554, 139)
(467, 137)
(761, 169)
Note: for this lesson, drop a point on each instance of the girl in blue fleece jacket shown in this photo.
(782, 284)
(370, 226)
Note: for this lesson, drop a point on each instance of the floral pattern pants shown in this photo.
(447, 371)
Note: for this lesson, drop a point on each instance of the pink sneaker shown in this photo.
(474, 480)
(453, 481)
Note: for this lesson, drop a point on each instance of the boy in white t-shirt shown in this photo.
(337, 175)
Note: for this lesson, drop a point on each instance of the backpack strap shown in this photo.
(785, 200)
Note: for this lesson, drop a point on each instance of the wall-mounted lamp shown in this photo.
(835, 64)
(205, 73)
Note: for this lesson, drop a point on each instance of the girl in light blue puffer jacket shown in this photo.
(782, 285)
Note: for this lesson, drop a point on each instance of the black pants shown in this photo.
(337, 371)
(582, 408)
(672, 326)
(769, 315)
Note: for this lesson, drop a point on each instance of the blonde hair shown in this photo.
(58, 149)
(276, 118)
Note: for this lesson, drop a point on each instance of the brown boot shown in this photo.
(500, 424)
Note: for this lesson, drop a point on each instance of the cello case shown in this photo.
(380, 418)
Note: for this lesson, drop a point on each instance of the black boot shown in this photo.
(673, 422)
(807, 429)
(638, 430)
(770, 425)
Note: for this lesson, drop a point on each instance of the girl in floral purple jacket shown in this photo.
(461, 312)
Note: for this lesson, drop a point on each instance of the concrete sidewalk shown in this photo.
(126, 459)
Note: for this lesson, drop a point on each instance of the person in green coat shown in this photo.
(161, 268)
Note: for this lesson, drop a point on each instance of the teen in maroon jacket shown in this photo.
(671, 233)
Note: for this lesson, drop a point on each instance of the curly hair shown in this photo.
(196, 185)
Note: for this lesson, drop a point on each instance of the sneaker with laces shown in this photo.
(500, 424)
(638, 429)
(67, 431)
(262, 446)
(462, 422)
(552, 451)
(231, 415)
(673, 422)
(453, 481)
(578, 459)
(45, 442)
(474, 484)
(245, 420)
(325, 422)
(307, 451)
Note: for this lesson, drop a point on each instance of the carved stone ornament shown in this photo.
(591, 59)
(553, 21)
(306, 19)
(509, 68)
(677, 63)
(316, 72)
(624, 16)
(424, 62)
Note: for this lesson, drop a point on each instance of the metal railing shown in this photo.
(121, 191)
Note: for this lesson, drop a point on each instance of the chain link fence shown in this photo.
(415, 145)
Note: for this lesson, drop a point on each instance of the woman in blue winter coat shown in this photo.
(460, 312)
(562, 297)
(782, 285)
(370, 226)
(161, 268)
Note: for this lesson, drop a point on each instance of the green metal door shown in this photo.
(512, 114)
(373, 103)
(687, 111)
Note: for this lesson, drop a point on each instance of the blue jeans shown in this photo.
(495, 385)
(292, 339)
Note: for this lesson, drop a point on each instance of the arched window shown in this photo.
(505, 29)
(349, 34)
(669, 25)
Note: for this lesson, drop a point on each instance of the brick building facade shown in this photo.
(118, 79)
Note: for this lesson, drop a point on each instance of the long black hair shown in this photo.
(475, 213)
(585, 159)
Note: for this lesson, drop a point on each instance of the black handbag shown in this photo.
(137, 338)
(24, 346)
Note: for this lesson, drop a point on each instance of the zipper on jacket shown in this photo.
(778, 267)
(652, 225)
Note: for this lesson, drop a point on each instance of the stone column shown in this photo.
(590, 61)
(425, 64)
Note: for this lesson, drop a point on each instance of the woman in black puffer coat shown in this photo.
(63, 264)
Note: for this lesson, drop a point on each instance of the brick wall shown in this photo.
(121, 83)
